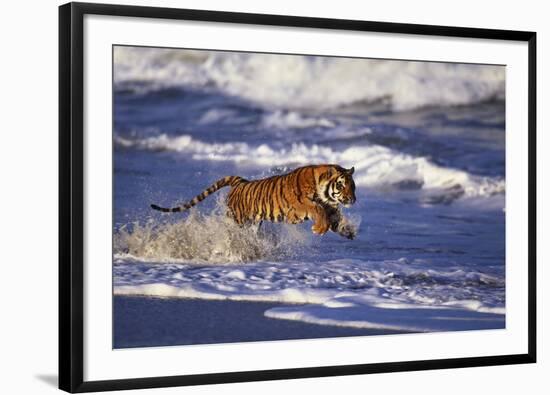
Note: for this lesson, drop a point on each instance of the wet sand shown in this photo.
(148, 322)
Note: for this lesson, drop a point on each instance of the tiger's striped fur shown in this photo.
(310, 192)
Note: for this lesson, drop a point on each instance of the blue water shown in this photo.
(429, 211)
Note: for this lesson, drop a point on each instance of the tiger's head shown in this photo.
(339, 188)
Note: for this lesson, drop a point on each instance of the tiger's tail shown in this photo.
(223, 182)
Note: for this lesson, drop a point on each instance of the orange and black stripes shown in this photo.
(271, 198)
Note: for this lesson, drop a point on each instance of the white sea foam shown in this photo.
(376, 166)
(292, 119)
(386, 295)
(391, 316)
(290, 81)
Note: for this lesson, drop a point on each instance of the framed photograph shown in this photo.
(251, 197)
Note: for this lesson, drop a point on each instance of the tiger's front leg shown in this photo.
(339, 224)
(321, 223)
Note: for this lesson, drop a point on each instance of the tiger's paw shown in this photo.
(347, 230)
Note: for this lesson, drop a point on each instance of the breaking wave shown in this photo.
(294, 81)
(376, 166)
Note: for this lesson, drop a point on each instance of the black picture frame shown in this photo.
(71, 195)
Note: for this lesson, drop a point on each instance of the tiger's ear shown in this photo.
(350, 171)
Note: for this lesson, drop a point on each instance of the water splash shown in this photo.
(211, 238)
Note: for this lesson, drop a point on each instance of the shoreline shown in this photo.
(144, 321)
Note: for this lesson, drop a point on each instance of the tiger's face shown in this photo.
(341, 188)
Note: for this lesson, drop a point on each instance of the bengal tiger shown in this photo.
(309, 192)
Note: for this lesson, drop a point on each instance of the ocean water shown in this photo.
(427, 141)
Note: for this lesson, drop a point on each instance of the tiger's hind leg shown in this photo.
(268, 233)
(259, 228)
